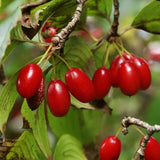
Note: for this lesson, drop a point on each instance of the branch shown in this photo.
(127, 121)
(60, 38)
(114, 28)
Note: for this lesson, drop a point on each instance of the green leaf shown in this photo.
(80, 105)
(101, 8)
(9, 50)
(99, 55)
(59, 8)
(5, 28)
(82, 124)
(69, 148)
(105, 6)
(8, 97)
(37, 122)
(148, 18)
(24, 148)
(77, 54)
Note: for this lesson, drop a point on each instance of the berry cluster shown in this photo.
(130, 73)
(111, 147)
(30, 85)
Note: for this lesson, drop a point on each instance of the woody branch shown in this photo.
(127, 121)
(60, 38)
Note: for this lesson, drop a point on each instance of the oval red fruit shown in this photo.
(34, 101)
(128, 78)
(58, 98)
(115, 65)
(152, 151)
(80, 85)
(101, 82)
(144, 72)
(48, 40)
(29, 80)
(110, 148)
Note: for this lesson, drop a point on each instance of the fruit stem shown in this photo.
(118, 132)
(53, 76)
(45, 54)
(123, 48)
(118, 49)
(106, 54)
(63, 60)
(44, 64)
(138, 130)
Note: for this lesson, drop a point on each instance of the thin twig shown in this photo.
(60, 38)
(127, 121)
(114, 28)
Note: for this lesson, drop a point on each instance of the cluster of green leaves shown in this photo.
(78, 127)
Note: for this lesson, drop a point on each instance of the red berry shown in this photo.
(128, 56)
(58, 98)
(48, 40)
(115, 65)
(152, 151)
(101, 82)
(80, 85)
(29, 80)
(37, 98)
(144, 72)
(110, 148)
(53, 31)
(47, 24)
(128, 78)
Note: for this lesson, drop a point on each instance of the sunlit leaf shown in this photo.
(37, 122)
(148, 18)
(69, 148)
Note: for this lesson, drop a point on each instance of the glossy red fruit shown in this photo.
(129, 81)
(101, 82)
(48, 40)
(114, 68)
(58, 98)
(47, 24)
(128, 56)
(29, 80)
(34, 101)
(152, 151)
(144, 72)
(80, 85)
(53, 31)
(110, 148)
(115, 65)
